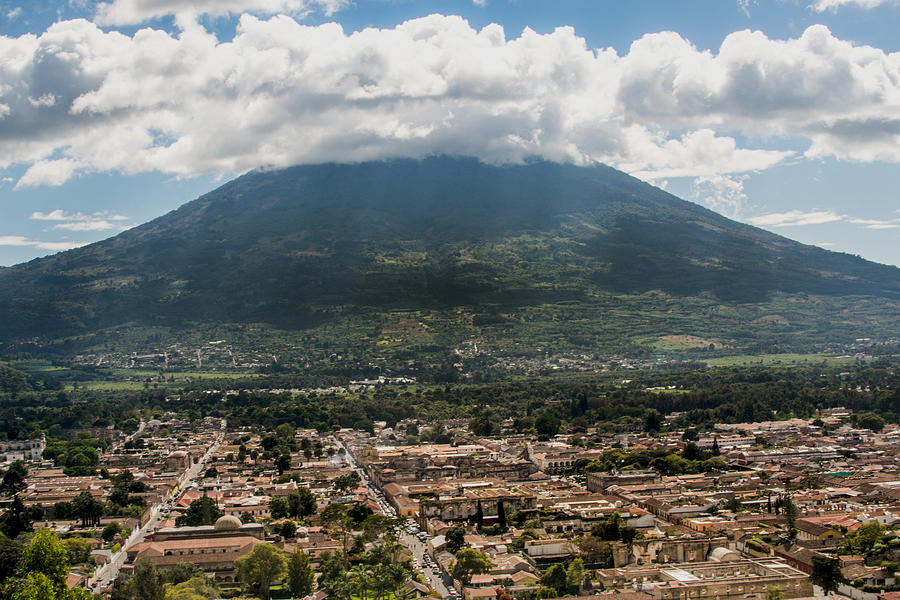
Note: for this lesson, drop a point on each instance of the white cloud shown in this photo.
(744, 5)
(823, 5)
(796, 218)
(699, 153)
(14, 13)
(875, 223)
(48, 172)
(479, 2)
(18, 240)
(99, 221)
(283, 93)
(721, 193)
(100, 225)
(61, 215)
(134, 12)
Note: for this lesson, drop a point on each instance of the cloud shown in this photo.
(61, 215)
(83, 100)
(48, 172)
(875, 223)
(823, 5)
(18, 240)
(744, 5)
(100, 225)
(99, 221)
(135, 12)
(797, 218)
(721, 193)
(699, 153)
(14, 13)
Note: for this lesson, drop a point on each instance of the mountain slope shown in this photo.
(290, 248)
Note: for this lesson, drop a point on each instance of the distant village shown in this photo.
(782, 509)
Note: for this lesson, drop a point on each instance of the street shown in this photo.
(423, 563)
(107, 573)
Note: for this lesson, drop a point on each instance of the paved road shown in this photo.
(416, 546)
(418, 550)
(106, 574)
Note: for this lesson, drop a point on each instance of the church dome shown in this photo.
(227, 523)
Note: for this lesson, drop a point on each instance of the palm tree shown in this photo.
(381, 581)
(361, 580)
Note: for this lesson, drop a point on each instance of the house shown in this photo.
(214, 549)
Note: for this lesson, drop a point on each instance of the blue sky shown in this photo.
(780, 113)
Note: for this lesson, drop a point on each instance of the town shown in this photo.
(450, 508)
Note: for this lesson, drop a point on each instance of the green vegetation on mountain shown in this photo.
(396, 261)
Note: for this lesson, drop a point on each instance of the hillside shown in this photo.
(413, 254)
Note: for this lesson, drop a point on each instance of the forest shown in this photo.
(623, 401)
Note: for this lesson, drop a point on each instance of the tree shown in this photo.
(278, 508)
(43, 571)
(652, 421)
(13, 481)
(733, 504)
(468, 562)
(146, 582)
(182, 572)
(261, 568)
(301, 503)
(387, 578)
(343, 483)
(456, 539)
(195, 588)
(575, 575)
(34, 586)
(16, 519)
(47, 556)
(865, 539)
(202, 511)
(87, 509)
(870, 421)
(335, 516)
(483, 423)
(283, 463)
(288, 529)
(826, 573)
(10, 558)
(361, 580)
(110, 531)
(789, 510)
(690, 435)
(501, 515)
(285, 433)
(555, 577)
(300, 575)
(693, 452)
(547, 424)
(359, 513)
(773, 592)
(79, 550)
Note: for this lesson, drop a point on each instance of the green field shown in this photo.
(768, 360)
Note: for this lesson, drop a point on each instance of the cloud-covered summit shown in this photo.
(79, 99)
